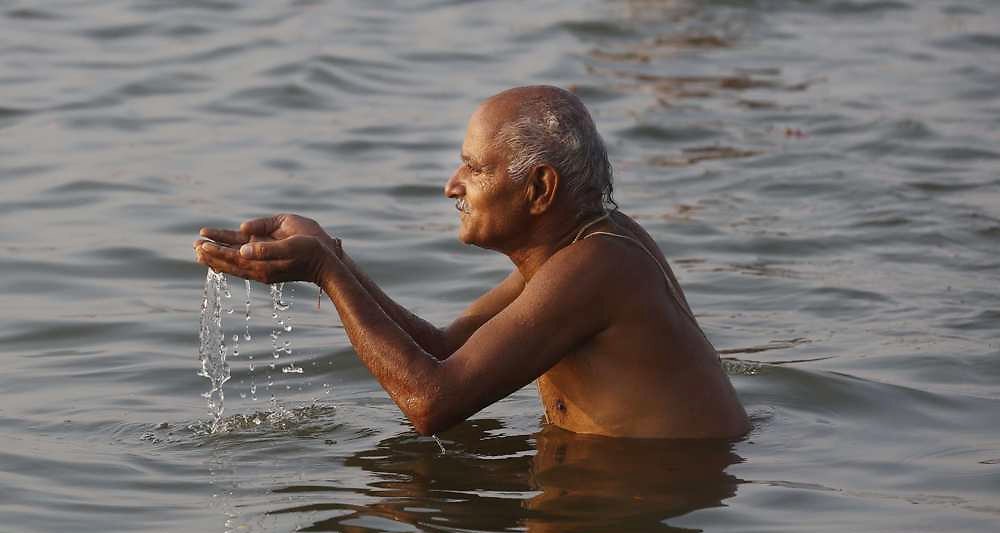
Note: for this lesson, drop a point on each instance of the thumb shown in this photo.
(265, 250)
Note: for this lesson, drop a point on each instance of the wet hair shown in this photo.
(553, 127)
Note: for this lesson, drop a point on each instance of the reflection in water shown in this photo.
(492, 481)
(605, 484)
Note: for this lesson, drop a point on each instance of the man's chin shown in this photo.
(464, 232)
(469, 239)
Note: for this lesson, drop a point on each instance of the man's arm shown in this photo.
(431, 338)
(439, 342)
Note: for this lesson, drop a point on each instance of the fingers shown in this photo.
(262, 226)
(226, 236)
(283, 249)
(217, 250)
(230, 261)
(219, 258)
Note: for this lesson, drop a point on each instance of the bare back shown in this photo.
(651, 372)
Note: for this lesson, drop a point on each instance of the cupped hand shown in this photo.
(273, 228)
(295, 258)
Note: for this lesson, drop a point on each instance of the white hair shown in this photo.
(554, 128)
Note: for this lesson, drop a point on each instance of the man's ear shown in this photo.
(543, 182)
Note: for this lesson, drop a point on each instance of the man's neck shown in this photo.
(545, 240)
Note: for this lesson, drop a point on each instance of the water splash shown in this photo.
(212, 350)
(439, 443)
(315, 416)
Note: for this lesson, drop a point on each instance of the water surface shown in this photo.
(822, 174)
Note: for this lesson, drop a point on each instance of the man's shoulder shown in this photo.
(596, 264)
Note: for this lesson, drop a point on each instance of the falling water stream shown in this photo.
(214, 355)
(212, 351)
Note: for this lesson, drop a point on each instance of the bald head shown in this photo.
(515, 103)
(544, 125)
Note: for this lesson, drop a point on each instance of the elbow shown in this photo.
(423, 427)
(428, 416)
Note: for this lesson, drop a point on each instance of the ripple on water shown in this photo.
(167, 83)
(971, 42)
(105, 263)
(596, 29)
(60, 333)
(32, 14)
(342, 74)
(118, 31)
(97, 186)
(268, 100)
(155, 6)
(871, 7)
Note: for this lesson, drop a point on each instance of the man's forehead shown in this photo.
(478, 135)
(484, 122)
(496, 110)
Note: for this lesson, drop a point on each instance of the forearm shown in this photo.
(431, 338)
(411, 376)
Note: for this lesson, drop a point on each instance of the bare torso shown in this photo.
(651, 373)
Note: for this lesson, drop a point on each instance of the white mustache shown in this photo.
(462, 205)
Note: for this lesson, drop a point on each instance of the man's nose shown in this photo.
(454, 188)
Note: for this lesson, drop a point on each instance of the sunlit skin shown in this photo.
(593, 321)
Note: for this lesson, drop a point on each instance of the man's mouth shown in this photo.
(462, 205)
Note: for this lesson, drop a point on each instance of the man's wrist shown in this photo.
(329, 266)
(335, 245)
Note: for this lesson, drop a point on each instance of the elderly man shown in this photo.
(591, 310)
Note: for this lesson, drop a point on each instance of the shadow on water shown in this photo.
(550, 481)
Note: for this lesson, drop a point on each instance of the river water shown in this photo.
(822, 174)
